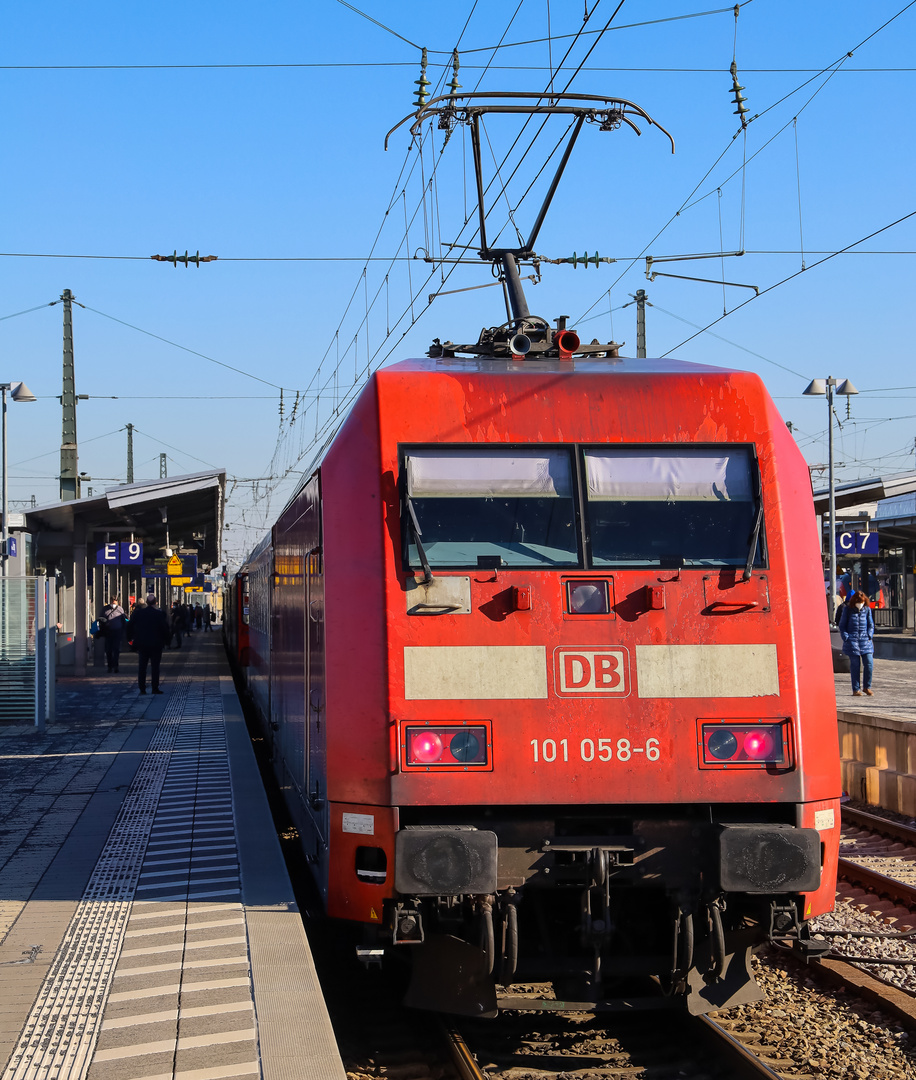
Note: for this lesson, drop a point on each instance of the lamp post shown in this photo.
(18, 392)
(818, 388)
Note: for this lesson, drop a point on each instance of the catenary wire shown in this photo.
(829, 68)
(183, 453)
(388, 29)
(184, 348)
(791, 277)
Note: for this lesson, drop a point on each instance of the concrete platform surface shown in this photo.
(148, 929)
(894, 687)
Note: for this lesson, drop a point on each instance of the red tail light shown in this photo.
(423, 747)
(728, 744)
(455, 746)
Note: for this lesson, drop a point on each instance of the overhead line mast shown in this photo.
(69, 478)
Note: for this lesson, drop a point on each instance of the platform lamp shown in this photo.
(18, 392)
(818, 388)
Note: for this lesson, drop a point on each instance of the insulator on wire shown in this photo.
(185, 259)
(587, 259)
(422, 83)
(739, 98)
(454, 86)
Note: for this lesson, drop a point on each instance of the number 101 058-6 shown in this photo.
(594, 750)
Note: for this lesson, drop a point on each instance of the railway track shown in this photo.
(895, 850)
(691, 1048)
(803, 1030)
(874, 923)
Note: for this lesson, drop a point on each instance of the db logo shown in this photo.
(592, 671)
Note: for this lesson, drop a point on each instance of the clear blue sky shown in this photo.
(108, 154)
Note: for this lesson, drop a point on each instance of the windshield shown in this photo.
(653, 506)
(643, 506)
(511, 505)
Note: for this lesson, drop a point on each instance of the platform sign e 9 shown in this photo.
(122, 553)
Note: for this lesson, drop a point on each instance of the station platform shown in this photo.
(148, 928)
(878, 736)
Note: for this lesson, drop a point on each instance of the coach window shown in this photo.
(482, 506)
(666, 507)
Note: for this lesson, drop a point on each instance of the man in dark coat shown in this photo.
(149, 631)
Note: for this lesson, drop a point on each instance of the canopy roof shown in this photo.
(189, 508)
(863, 492)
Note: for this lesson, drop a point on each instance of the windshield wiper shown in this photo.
(755, 536)
(417, 533)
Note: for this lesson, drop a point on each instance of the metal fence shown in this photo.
(27, 629)
(889, 618)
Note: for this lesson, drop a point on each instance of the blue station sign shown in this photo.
(119, 553)
(857, 543)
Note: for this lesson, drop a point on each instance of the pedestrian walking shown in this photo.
(115, 619)
(149, 631)
(207, 618)
(857, 629)
(198, 616)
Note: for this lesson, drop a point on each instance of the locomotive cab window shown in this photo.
(667, 507)
(475, 505)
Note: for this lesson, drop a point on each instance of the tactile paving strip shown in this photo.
(181, 1005)
(61, 1031)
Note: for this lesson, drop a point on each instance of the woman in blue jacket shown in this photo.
(857, 629)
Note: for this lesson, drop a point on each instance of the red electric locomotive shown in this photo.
(543, 653)
(541, 648)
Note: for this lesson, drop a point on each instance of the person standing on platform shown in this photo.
(176, 620)
(207, 618)
(857, 629)
(115, 617)
(149, 631)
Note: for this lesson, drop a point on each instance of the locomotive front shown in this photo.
(593, 738)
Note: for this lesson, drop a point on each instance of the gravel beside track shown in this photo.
(859, 911)
(809, 1029)
(857, 915)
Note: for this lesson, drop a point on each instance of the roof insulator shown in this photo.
(454, 86)
(422, 83)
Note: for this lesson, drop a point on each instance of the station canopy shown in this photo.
(863, 493)
(889, 503)
(186, 509)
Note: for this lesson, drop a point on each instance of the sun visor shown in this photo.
(463, 473)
